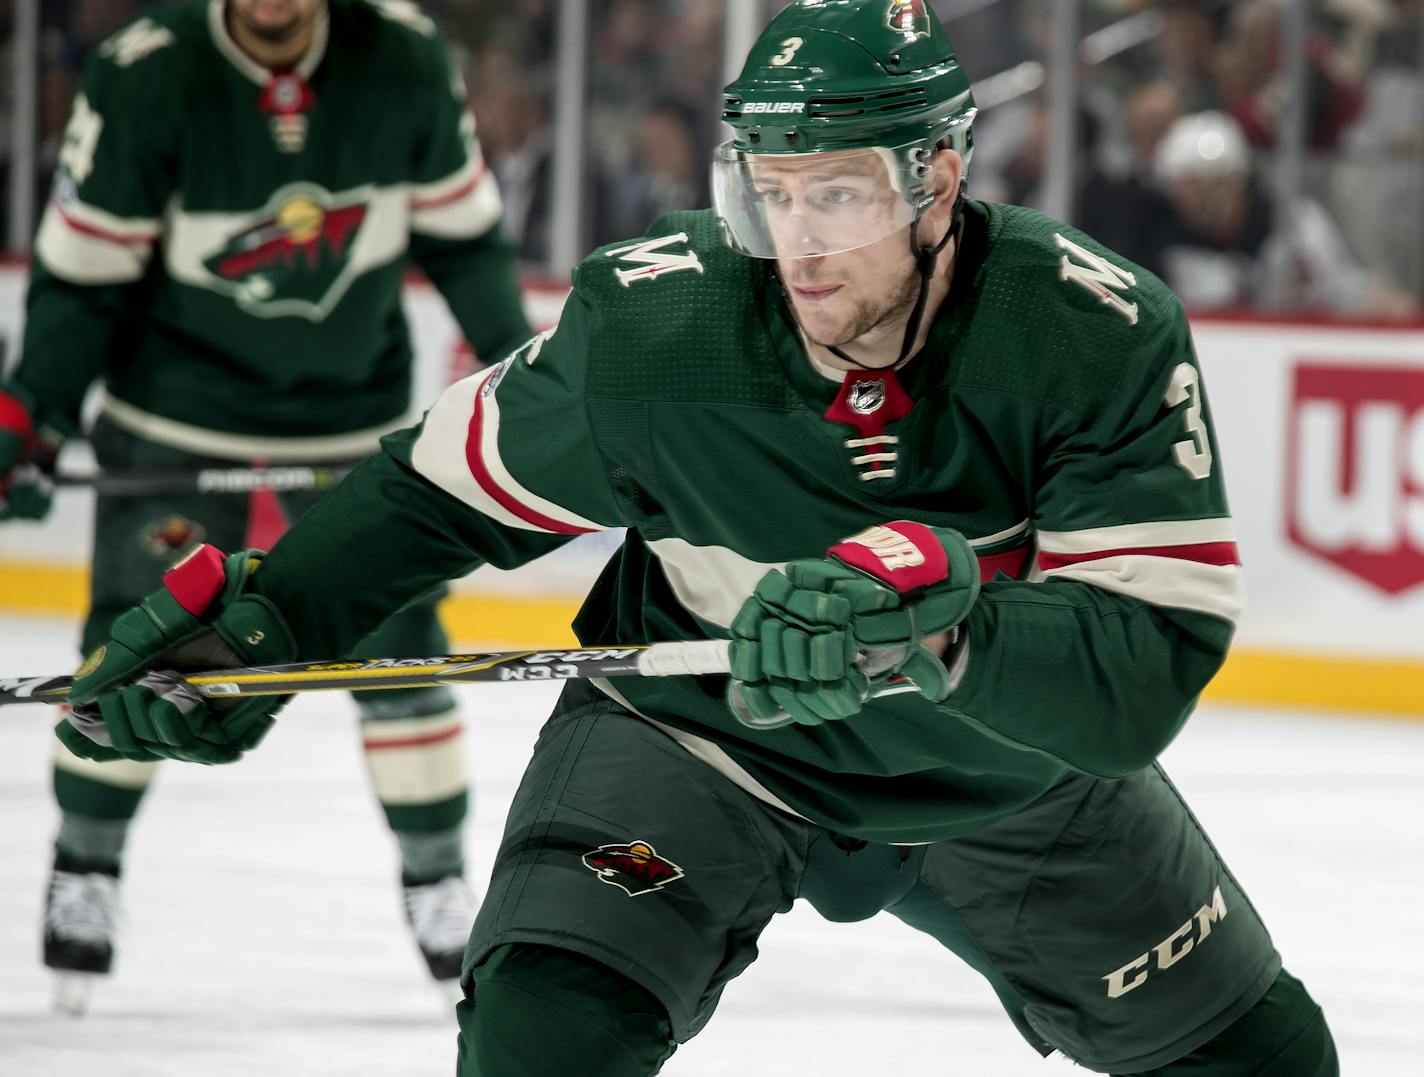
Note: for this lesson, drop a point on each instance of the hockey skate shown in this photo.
(81, 920)
(441, 914)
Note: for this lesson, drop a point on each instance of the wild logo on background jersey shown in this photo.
(296, 260)
(635, 868)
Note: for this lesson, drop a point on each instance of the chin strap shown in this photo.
(925, 258)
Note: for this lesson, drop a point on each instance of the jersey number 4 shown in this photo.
(1194, 455)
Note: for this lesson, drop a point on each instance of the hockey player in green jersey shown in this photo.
(241, 186)
(942, 474)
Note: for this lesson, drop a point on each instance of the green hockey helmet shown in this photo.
(835, 117)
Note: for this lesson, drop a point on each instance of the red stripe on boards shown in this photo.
(1206, 553)
(487, 482)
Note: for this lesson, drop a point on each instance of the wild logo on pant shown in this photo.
(636, 868)
(170, 535)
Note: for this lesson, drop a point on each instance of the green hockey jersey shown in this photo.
(1055, 417)
(225, 245)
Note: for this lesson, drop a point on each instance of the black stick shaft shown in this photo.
(217, 480)
(655, 660)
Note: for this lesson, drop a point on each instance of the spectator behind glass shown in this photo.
(1115, 201)
(1188, 50)
(1228, 255)
(1125, 209)
(1394, 98)
(513, 113)
(1375, 183)
(511, 106)
(668, 170)
(694, 81)
(1253, 78)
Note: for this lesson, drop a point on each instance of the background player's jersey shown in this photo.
(225, 246)
(1055, 417)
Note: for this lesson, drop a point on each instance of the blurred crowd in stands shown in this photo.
(1176, 153)
(1177, 131)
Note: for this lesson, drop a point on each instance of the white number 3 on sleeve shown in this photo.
(81, 136)
(1193, 455)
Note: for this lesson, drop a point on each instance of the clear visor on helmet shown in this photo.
(806, 204)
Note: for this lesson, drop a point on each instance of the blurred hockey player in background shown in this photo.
(1227, 249)
(952, 715)
(241, 185)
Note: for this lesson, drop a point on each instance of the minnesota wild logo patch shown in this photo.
(908, 17)
(296, 258)
(170, 535)
(634, 867)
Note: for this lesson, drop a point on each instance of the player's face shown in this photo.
(839, 298)
(275, 20)
(1211, 204)
(849, 296)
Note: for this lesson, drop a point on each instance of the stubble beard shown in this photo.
(874, 312)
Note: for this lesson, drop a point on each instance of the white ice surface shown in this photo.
(263, 933)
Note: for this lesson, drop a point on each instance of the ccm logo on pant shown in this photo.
(1170, 950)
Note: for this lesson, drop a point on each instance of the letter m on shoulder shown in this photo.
(1098, 275)
(651, 260)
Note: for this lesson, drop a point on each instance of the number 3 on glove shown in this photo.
(814, 641)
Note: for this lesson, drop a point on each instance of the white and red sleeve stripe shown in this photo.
(1182, 564)
(463, 205)
(86, 245)
(458, 450)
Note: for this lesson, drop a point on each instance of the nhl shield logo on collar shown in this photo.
(867, 396)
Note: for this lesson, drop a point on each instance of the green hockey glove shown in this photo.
(27, 454)
(128, 700)
(814, 642)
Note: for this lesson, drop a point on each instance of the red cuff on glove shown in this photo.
(903, 555)
(198, 579)
(15, 417)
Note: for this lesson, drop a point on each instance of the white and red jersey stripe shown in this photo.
(1182, 564)
(463, 205)
(459, 450)
(85, 245)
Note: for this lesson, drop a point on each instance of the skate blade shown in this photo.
(73, 991)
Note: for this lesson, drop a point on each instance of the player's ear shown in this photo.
(946, 171)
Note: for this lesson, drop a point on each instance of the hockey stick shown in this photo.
(213, 480)
(655, 660)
